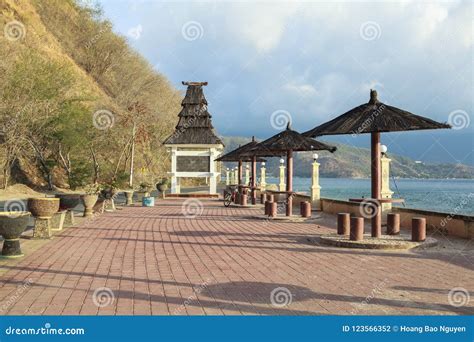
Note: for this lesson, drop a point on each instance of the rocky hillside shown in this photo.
(75, 98)
(353, 162)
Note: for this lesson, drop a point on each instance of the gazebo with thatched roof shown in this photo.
(375, 117)
(194, 145)
(239, 155)
(285, 143)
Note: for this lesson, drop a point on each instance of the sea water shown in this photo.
(455, 196)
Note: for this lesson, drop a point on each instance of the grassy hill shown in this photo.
(74, 98)
(354, 162)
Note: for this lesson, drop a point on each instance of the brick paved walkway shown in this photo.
(156, 261)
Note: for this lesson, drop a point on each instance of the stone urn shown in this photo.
(44, 207)
(68, 201)
(89, 202)
(129, 197)
(12, 225)
(162, 187)
(108, 193)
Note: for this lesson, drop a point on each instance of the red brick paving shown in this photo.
(156, 261)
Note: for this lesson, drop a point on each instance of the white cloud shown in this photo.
(300, 89)
(260, 24)
(308, 57)
(135, 32)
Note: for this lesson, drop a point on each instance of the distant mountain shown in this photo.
(354, 162)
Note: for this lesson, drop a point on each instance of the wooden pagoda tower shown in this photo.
(194, 145)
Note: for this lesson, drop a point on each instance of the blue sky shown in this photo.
(312, 61)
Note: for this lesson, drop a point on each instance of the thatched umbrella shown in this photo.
(238, 155)
(375, 117)
(285, 143)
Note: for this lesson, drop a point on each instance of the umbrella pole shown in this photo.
(254, 180)
(289, 182)
(239, 176)
(376, 183)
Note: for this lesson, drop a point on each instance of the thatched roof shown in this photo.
(239, 153)
(374, 116)
(194, 93)
(289, 139)
(195, 122)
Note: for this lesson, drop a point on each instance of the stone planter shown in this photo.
(108, 193)
(43, 208)
(12, 225)
(162, 189)
(129, 197)
(68, 201)
(89, 201)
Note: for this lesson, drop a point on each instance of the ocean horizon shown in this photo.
(451, 196)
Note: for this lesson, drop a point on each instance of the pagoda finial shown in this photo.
(190, 83)
(373, 96)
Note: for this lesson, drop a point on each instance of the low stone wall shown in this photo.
(449, 224)
(333, 206)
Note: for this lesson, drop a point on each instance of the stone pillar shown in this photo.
(315, 187)
(174, 180)
(385, 191)
(178, 185)
(42, 229)
(57, 221)
(247, 175)
(212, 170)
(263, 181)
(236, 176)
(129, 197)
(227, 180)
(282, 185)
(69, 219)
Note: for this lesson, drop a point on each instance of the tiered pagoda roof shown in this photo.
(194, 124)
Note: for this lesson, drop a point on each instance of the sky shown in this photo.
(269, 62)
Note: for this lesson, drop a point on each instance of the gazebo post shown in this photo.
(376, 183)
(289, 182)
(239, 177)
(254, 180)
